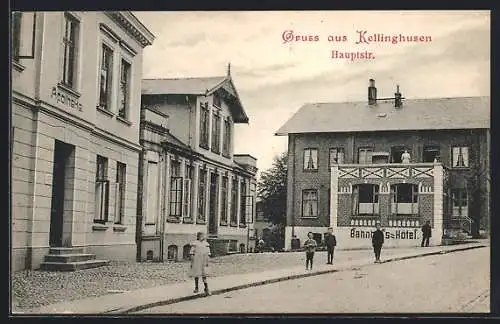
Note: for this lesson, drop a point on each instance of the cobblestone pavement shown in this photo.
(456, 282)
(39, 288)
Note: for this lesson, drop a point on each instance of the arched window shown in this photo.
(242, 248)
(172, 253)
(149, 255)
(365, 199)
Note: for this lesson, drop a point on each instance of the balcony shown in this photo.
(386, 170)
(395, 194)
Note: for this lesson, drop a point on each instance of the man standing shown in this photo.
(377, 242)
(426, 233)
(330, 243)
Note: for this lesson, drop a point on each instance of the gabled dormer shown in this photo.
(203, 111)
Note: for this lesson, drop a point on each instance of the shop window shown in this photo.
(365, 199)
(404, 199)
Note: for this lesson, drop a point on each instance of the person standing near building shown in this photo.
(200, 253)
(377, 242)
(405, 157)
(330, 242)
(426, 233)
(310, 246)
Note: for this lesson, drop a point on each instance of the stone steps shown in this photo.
(70, 259)
(72, 266)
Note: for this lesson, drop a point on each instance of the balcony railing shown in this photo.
(386, 170)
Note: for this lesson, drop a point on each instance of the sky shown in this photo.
(274, 76)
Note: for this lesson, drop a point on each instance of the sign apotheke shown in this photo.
(65, 98)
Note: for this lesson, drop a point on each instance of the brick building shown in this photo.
(347, 169)
(190, 178)
(75, 134)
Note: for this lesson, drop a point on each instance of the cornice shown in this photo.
(133, 26)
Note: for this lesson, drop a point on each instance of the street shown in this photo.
(454, 282)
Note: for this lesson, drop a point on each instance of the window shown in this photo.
(204, 120)
(243, 210)
(234, 203)
(175, 168)
(310, 203)
(217, 101)
(404, 198)
(365, 199)
(121, 171)
(336, 156)
(430, 153)
(460, 157)
(102, 190)
(16, 34)
(459, 202)
(216, 133)
(172, 251)
(175, 197)
(310, 159)
(202, 196)
(187, 201)
(397, 152)
(70, 41)
(106, 78)
(226, 140)
(365, 155)
(124, 89)
(223, 212)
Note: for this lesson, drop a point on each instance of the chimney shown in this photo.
(372, 93)
(397, 98)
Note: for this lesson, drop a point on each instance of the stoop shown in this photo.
(70, 259)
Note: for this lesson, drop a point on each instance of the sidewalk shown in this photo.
(136, 300)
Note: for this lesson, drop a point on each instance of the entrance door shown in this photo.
(212, 218)
(62, 152)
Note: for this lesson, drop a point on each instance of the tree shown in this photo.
(271, 190)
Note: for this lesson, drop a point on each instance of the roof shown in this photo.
(198, 86)
(415, 114)
(188, 86)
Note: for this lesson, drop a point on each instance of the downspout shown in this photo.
(38, 77)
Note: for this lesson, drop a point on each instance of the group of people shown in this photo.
(200, 252)
(310, 244)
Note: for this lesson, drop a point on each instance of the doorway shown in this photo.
(212, 218)
(61, 172)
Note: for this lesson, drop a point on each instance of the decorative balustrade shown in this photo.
(405, 221)
(370, 220)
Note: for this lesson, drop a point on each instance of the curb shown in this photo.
(274, 280)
